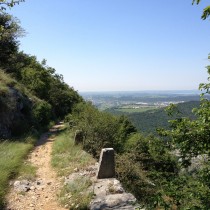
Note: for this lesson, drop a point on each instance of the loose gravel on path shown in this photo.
(40, 194)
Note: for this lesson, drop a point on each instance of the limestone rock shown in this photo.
(103, 187)
(114, 201)
(22, 186)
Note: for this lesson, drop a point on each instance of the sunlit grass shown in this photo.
(27, 171)
(5, 80)
(12, 155)
(66, 156)
(75, 194)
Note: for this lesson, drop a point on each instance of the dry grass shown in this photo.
(6, 80)
(75, 194)
(66, 156)
(12, 155)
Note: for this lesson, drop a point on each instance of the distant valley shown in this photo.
(145, 109)
(138, 101)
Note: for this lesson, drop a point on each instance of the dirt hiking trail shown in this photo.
(42, 192)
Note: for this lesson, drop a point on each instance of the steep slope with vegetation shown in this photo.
(149, 121)
(31, 93)
(150, 167)
(20, 110)
(145, 164)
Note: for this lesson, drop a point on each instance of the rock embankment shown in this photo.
(107, 193)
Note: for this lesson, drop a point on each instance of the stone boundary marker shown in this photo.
(106, 164)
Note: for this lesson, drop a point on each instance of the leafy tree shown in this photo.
(62, 97)
(192, 137)
(8, 4)
(206, 11)
(145, 167)
(42, 112)
(98, 128)
(37, 80)
(11, 30)
(125, 129)
(20, 61)
(101, 129)
(43, 82)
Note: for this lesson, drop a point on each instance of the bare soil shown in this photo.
(42, 196)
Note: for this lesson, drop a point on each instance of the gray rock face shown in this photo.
(106, 164)
(109, 194)
(103, 187)
(114, 201)
(15, 112)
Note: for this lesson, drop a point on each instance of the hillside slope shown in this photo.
(16, 107)
(148, 121)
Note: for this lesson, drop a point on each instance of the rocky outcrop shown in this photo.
(15, 109)
(109, 194)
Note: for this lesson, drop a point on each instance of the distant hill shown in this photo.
(148, 121)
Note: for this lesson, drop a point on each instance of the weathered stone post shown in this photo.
(106, 164)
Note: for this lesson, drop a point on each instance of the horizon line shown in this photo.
(95, 91)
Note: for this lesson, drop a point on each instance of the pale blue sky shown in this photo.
(104, 45)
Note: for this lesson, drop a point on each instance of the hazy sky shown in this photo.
(103, 45)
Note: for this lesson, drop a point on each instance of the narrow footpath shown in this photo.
(41, 193)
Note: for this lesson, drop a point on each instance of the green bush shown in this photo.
(42, 113)
(134, 177)
(101, 129)
(145, 167)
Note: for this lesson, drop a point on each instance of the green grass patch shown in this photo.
(27, 171)
(66, 156)
(6, 80)
(12, 155)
